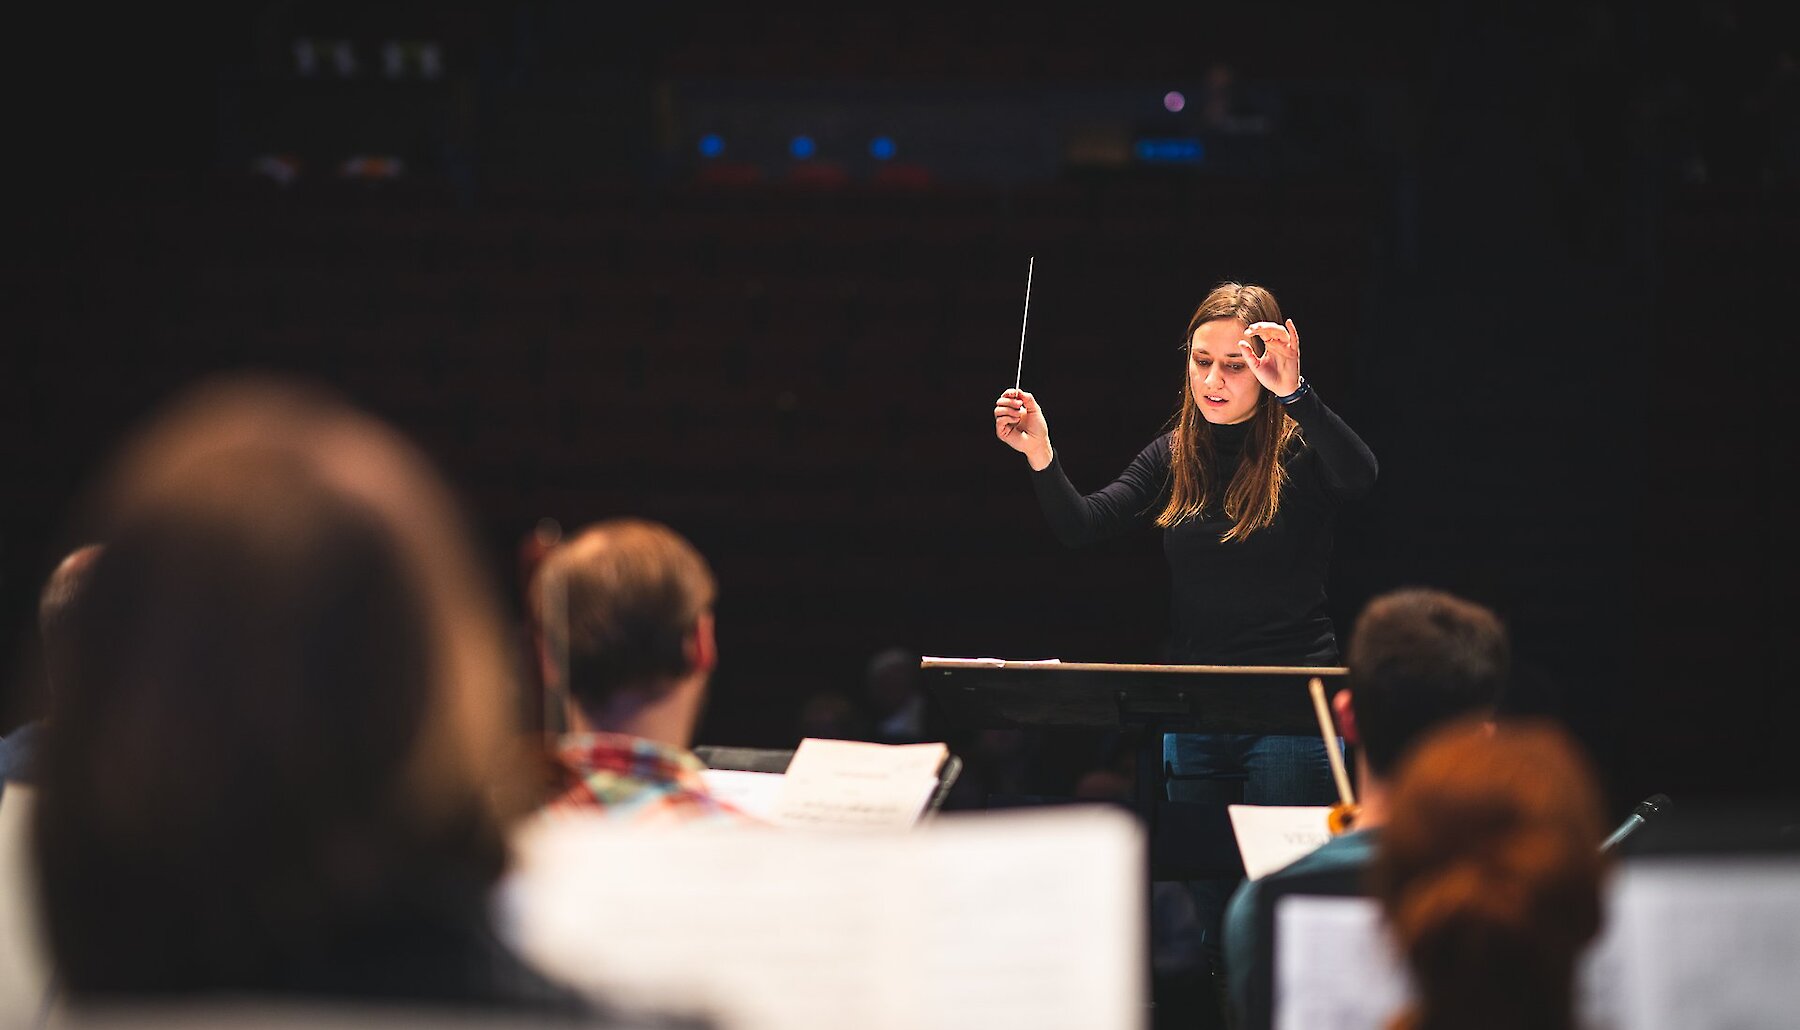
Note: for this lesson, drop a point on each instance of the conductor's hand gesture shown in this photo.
(1278, 367)
(1020, 424)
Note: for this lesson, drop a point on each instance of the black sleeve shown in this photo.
(1349, 466)
(1126, 503)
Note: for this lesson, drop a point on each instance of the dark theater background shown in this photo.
(757, 272)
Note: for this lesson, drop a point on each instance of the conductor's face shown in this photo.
(1224, 388)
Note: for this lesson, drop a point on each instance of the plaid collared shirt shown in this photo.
(636, 780)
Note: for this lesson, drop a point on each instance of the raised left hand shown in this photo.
(1278, 369)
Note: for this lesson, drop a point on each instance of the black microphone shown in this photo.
(1641, 814)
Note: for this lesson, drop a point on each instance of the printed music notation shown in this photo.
(851, 784)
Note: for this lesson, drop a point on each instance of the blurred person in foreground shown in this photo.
(1419, 659)
(56, 606)
(624, 614)
(1490, 877)
(278, 764)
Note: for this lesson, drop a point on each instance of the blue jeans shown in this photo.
(1274, 770)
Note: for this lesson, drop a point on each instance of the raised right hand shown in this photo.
(1019, 423)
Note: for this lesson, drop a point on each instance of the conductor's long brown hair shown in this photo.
(1253, 495)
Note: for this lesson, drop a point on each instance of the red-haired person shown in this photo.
(1489, 876)
(1419, 660)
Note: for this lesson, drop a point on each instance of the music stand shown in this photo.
(775, 760)
(982, 693)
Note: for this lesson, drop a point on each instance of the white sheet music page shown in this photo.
(752, 793)
(852, 784)
(1708, 941)
(1270, 837)
(24, 958)
(1688, 941)
(1334, 969)
(764, 927)
(995, 938)
(1021, 919)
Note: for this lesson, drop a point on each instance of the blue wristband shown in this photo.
(1299, 391)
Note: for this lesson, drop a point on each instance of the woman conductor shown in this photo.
(1246, 488)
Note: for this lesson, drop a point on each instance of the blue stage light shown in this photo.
(712, 145)
(1185, 150)
(882, 148)
(801, 147)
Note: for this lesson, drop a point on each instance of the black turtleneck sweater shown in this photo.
(1257, 601)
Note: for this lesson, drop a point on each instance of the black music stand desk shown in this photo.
(985, 693)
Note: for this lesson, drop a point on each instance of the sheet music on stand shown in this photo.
(753, 793)
(833, 784)
(1688, 942)
(945, 926)
(850, 784)
(24, 951)
(1271, 837)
